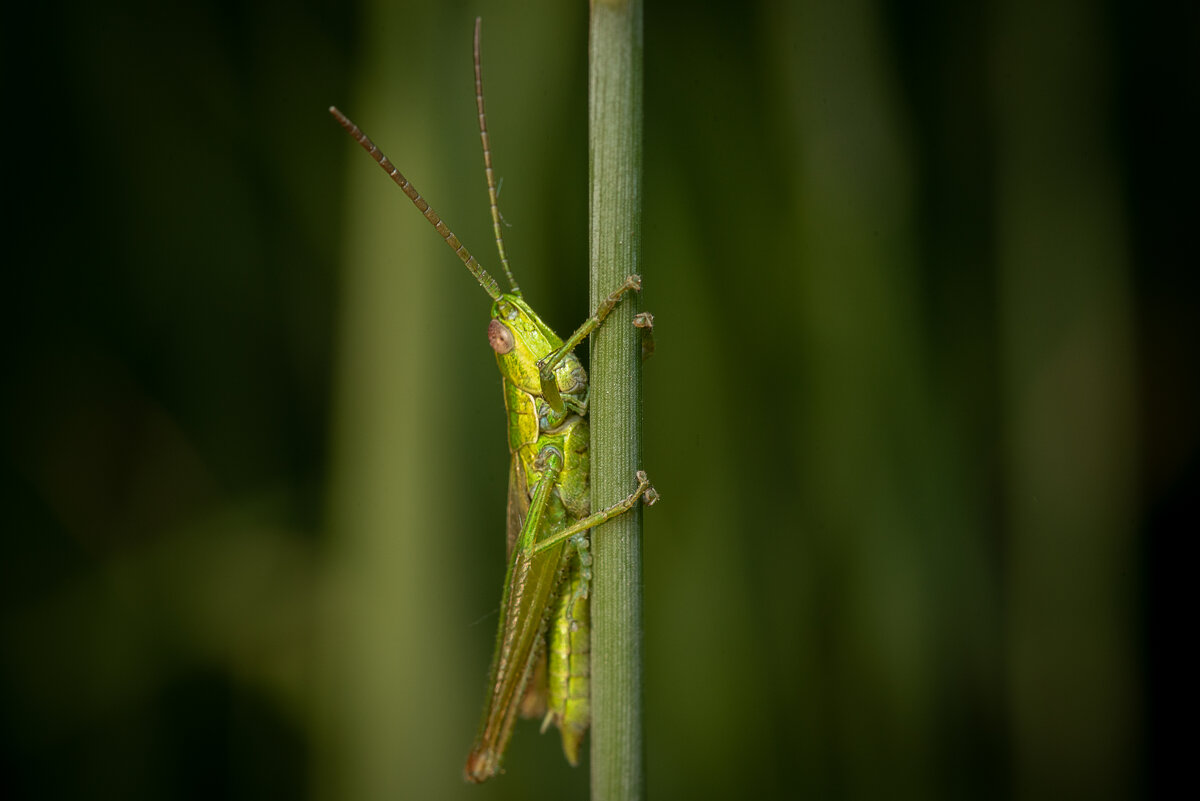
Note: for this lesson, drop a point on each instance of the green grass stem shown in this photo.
(615, 132)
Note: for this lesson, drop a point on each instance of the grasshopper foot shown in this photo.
(645, 489)
(645, 321)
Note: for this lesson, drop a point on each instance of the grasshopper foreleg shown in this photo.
(547, 364)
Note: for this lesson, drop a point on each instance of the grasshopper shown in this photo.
(541, 663)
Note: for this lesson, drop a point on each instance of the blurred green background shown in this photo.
(923, 411)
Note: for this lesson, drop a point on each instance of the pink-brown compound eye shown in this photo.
(500, 338)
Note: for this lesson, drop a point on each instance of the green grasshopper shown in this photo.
(545, 594)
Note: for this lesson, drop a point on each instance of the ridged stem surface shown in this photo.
(615, 131)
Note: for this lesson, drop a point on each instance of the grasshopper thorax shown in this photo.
(520, 338)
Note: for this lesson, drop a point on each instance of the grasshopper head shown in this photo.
(520, 339)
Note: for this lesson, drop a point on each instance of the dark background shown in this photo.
(923, 411)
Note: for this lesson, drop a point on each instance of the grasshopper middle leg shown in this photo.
(644, 490)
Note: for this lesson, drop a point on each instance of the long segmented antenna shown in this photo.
(487, 164)
(481, 275)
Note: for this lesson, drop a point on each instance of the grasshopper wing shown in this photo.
(533, 703)
(518, 502)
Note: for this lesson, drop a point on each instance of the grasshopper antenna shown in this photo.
(487, 164)
(481, 275)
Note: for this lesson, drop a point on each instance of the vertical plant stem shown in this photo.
(615, 131)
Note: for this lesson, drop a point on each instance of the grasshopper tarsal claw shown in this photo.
(646, 489)
(645, 321)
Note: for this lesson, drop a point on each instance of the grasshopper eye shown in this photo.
(500, 338)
